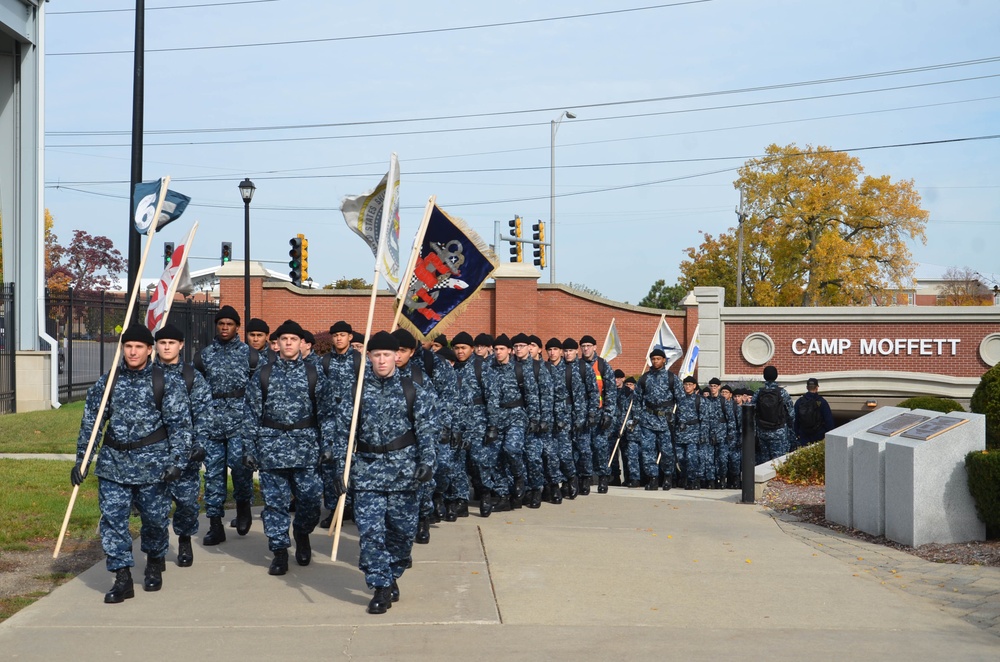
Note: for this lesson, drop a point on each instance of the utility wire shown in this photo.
(132, 9)
(459, 28)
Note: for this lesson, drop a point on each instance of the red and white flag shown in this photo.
(175, 278)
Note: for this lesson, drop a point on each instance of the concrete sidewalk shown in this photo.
(668, 574)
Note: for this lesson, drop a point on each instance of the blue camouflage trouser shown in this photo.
(115, 501)
(689, 459)
(734, 457)
(533, 444)
(277, 487)
(564, 449)
(442, 478)
(511, 444)
(651, 444)
(583, 454)
(487, 460)
(773, 443)
(551, 457)
(387, 524)
(600, 448)
(184, 493)
(458, 486)
(706, 459)
(219, 454)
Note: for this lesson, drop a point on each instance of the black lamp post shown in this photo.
(246, 192)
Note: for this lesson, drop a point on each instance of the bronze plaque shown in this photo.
(934, 427)
(897, 424)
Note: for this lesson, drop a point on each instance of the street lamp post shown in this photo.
(246, 192)
(552, 193)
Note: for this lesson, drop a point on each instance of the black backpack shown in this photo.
(809, 416)
(771, 412)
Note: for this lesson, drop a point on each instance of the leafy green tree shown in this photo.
(348, 284)
(663, 296)
(816, 231)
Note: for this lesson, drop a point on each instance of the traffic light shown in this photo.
(227, 253)
(538, 234)
(168, 252)
(516, 248)
(305, 257)
(295, 264)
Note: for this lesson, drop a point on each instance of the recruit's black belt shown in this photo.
(512, 404)
(478, 401)
(402, 441)
(156, 435)
(235, 393)
(685, 424)
(301, 424)
(659, 411)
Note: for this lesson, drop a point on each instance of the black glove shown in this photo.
(250, 462)
(463, 442)
(423, 473)
(326, 457)
(543, 427)
(78, 473)
(533, 426)
(605, 422)
(170, 474)
(630, 425)
(197, 454)
(456, 440)
(591, 419)
(492, 434)
(445, 436)
(337, 485)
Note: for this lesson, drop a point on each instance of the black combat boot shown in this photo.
(602, 484)
(216, 533)
(574, 488)
(667, 484)
(451, 511)
(485, 503)
(303, 550)
(462, 508)
(633, 483)
(518, 487)
(423, 531)
(153, 580)
(122, 589)
(185, 556)
(584, 485)
(279, 564)
(535, 499)
(326, 522)
(244, 517)
(516, 501)
(382, 600)
(394, 592)
(556, 494)
(652, 485)
(437, 508)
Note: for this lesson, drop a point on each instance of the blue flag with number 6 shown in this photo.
(144, 200)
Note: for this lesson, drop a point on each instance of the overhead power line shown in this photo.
(132, 9)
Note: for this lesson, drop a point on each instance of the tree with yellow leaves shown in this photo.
(817, 231)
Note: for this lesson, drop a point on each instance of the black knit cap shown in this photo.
(534, 340)
(137, 333)
(309, 337)
(383, 340)
(447, 353)
(170, 332)
(257, 325)
(358, 337)
(770, 373)
(484, 339)
(405, 338)
(462, 338)
(714, 380)
(442, 340)
(619, 373)
(503, 341)
(658, 352)
(289, 327)
(569, 343)
(553, 342)
(588, 339)
(630, 380)
(690, 380)
(520, 339)
(341, 327)
(228, 313)
(726, 387)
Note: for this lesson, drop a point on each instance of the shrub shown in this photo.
(931, 403)
(983, 468)
(323, 344)
(806, 466)
(986, 401)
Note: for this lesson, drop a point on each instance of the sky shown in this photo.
(309, 99)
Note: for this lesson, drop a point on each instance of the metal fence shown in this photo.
(88, 326)
(8, 343)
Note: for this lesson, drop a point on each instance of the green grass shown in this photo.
(33, 503)
(51, 431)
(10, 606)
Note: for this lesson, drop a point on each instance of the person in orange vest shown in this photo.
(607, 404)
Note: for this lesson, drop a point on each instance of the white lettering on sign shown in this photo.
(802, 346)
(878, 346)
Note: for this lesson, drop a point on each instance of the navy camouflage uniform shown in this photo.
(445, 386)
(583, 454)
(386, 504)
(286, 434)
(775, 443)
(575, 418)
(655, 395)
(472, 423)
(690, 435)
(561, 423)
(227, 368)
(341, 371)
(127, 476)
(607, 410)
(714, 460)
(534, 440)
(185, 490)
(511, 411)
(629, 444)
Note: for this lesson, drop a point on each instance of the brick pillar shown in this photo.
(516, 298)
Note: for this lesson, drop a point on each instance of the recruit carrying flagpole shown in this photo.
(164, 183)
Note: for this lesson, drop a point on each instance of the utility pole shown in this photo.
(740, 217)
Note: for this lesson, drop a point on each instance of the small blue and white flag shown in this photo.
(691, 360)
(665, 339)
(144, 201)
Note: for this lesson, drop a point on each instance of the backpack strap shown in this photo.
(326, 362)
(199, 363)
(159, 384)
(265, 379)
(254, 359)
(477, 366)
(428, 356)
(569, 381)
(188, 371)
(356, 360)
(416, 374)
(410, 393)
(519, 373)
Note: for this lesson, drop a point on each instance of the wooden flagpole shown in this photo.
(411, 265)
(164, 183)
